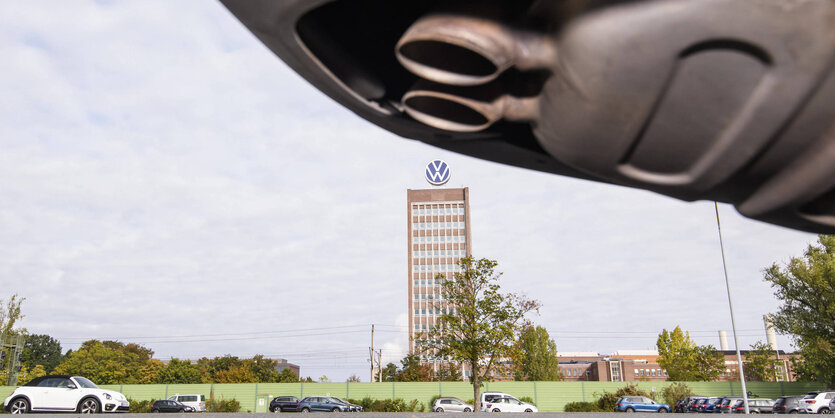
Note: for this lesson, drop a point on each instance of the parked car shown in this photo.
(727, 403)
(755, 406)
(170, 406)
(704, 404)
(693, 406)
(198, 402)
(832, 405)
(62, 393)
(489, 396)
(327, 403)
(681, 406)
(450, 404)
(285, 404)
(789, 405)
(508, 403)
(818, 402)
(640, 404)
(712, 405)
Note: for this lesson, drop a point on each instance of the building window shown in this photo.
(637, 372)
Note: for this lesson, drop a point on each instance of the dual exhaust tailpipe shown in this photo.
(465, 56)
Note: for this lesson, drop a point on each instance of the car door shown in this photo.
(456, 405)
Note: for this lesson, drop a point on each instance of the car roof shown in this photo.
(35, 381)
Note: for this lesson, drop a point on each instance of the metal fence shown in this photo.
(548, 396)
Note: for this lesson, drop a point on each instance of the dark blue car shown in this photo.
(640, 404)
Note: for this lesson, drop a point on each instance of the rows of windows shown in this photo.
(650, 372)
(574, 372)
(429, 312)
(429, 296)
(428, 282)
(437, 211)
(436, 267)
(438, 253)
(437, 225)
(440, 239)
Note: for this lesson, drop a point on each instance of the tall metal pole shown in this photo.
(372, 353)
(731, 307)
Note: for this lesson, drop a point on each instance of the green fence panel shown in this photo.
(548, 396)
(369, 390)
(552, 396)
(242, 392)
(140, 392)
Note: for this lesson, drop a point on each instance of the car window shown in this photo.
(190, 398)
(202, 398)
(62, 383)
(456, 402)
(829, 395)
(86, 384)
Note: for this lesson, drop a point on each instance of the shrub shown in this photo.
(675, 392)
(222, 405)
(582, 407)
(527, 399)
(388, 405)
(140, 407)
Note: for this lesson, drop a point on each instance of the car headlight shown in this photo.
(107, 396)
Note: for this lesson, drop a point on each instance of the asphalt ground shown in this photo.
(369, 415)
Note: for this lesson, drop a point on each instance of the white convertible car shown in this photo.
(62, 393)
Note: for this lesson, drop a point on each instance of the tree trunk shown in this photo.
(476, 388)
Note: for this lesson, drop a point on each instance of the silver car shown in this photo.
(450, 404)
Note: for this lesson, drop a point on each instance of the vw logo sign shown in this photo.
(437, 172)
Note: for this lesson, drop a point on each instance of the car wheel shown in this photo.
(154, 411)
(529, 410)
(793, 411)
(662, 410)
(439, 409)
(630, 410)
(277, 410)
(468, 410)
(497, 410)
(824, 411)
(335, 410)
(19, 406)
(89, 406)
(305, 410)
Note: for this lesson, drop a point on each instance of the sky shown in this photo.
(166, 180)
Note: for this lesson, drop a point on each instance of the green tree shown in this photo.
(10, 314)
(287, 376)
(413, 370)
(41, 349)
(761, 363)
(806, 288)
(708, 363)
(390, 372)
(178, 371)
(106, 362)
(264, 369)
(353, 379)
(675, 392)
(536, 356)
(483, 323)
(447, 372)
(684, 360)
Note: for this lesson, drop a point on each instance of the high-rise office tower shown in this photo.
(439, 235)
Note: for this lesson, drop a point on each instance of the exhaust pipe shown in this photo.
(466, 51)
(466, 109)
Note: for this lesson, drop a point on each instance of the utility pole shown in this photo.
(372, 352)
(11, 350)
(380, 365)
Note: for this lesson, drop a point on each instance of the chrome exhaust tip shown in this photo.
(466, 51)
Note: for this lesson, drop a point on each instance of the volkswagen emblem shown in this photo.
(437, 172)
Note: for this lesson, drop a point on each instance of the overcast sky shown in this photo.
(166, 180)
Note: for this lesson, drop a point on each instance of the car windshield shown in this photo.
(336, 400)
(83, 382)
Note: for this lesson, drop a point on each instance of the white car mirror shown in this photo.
(71, 386)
